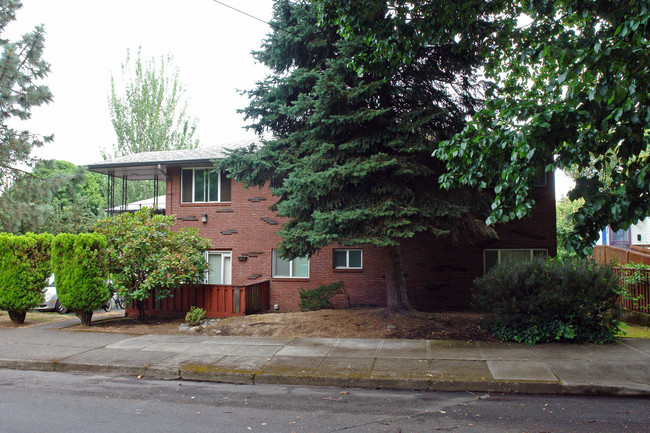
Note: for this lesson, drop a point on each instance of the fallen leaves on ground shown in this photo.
(339, 323)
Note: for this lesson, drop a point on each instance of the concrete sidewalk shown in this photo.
(434, 365)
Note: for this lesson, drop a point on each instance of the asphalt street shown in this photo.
(32, 401)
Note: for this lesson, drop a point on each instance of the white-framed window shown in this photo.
(204, 185)
(296, 268)
(219, 267)
(348, 258)
(491, 258)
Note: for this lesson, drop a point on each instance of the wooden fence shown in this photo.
(216, 300)
(637, 285)
(620, 256)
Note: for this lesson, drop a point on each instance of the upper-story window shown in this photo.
(204, 185)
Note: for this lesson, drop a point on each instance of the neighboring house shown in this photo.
(636, 234)
(242, 229)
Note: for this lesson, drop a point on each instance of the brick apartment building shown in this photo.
(242, 231)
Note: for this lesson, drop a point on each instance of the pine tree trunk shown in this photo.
(85, 317)
(16, 317)
(396, 296)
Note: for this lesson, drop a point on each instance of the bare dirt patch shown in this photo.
(353, 323)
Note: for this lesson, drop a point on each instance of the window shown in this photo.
(204, 185)
(219, 267)
(347, 259)
(296, 268)
(491, 258)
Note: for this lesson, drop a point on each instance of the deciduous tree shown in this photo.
(149, 113)
(147, 258)
(564, 211)
(573, 90)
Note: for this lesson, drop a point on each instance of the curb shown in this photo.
(215, 375)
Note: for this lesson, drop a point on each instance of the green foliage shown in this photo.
(22, 68)
(564, 210)
(80, 264)
(195, 316)
(57, 197)
(568, 89)
(350, 158)
(534, 302)
(632, 275)
(149, 114)
(638, 274)
(573, 91)
(318, 298)
(146, 257)
(24, 269)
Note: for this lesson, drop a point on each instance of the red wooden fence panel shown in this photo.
(638, 291)
(256, 297)
(216, 300)
(621, 256)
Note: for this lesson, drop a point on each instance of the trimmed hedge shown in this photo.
(81, 272)
(24, 269)
(533, 302)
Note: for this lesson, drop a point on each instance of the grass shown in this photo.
(34, 318)
(635, 331)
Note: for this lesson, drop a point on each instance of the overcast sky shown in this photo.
(86, 41)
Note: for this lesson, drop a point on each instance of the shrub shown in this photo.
(81, 270)
(148, 259)
(318, 298)
(24, 269)
(195, 316)
(535, 302)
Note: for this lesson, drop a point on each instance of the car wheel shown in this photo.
(60, 308)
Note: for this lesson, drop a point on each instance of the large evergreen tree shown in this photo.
(351, 155)
(22, 67)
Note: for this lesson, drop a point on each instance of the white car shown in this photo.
(50, 299)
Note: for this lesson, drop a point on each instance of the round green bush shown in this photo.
(532, 302)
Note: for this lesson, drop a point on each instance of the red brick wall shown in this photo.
(439, 275)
